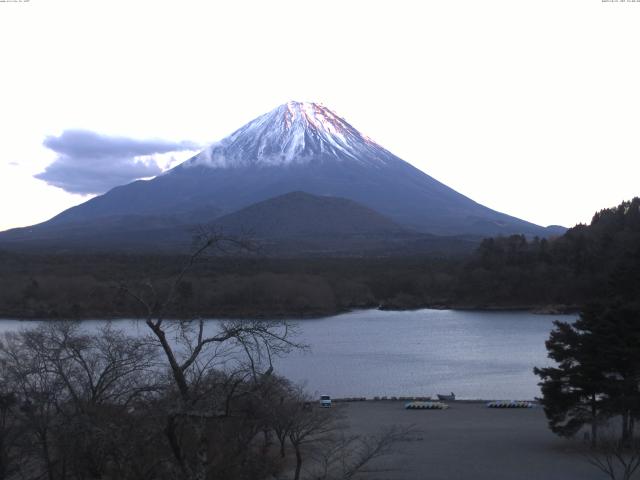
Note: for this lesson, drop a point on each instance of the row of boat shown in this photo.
(416, 405)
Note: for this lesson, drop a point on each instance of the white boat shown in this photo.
(447, 398)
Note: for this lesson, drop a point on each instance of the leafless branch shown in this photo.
(616, 459)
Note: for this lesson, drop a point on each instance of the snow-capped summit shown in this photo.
(293, 133)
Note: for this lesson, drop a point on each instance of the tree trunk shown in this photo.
(625, 427)
(298, 462)
(203, 449)
(172, 438)
(45, 453)
(176, 370)
(594, 422)
(4, 460)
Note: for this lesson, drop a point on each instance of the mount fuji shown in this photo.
(297, 147)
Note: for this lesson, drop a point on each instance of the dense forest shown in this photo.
(504, 272)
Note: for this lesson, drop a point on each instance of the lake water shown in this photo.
(488, 355)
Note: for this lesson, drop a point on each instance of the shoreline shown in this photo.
(400, 398)
(534, 309)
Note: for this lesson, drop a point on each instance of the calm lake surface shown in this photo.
(487, 355)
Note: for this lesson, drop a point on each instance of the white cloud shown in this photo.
(90, 163)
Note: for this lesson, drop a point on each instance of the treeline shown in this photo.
(504, 272)
(573, 269)
(34, 286)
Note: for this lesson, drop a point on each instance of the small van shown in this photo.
(325, 401)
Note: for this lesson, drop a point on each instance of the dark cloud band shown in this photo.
(88, 162)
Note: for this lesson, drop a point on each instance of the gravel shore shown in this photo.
(471, 441)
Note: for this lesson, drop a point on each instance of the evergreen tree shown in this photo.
(573, 393)
(617, 328)
(598, 370)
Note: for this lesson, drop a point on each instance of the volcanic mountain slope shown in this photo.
(296, 147)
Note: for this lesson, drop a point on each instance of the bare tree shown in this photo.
(284, 406)
(348, 456)
(38, 393)
(617, 459)
(103, 374)
(96, 368)
(323, 434)
(72, 388)
(311, 425)
(10, 429)
(244, 349)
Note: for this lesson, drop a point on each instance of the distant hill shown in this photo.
(299, 223)
(300, 214)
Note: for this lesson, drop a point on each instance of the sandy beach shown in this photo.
(471, 441)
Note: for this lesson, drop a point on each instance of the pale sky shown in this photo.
(528, 107)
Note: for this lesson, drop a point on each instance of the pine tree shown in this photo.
(598, 370)
(574, 392)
